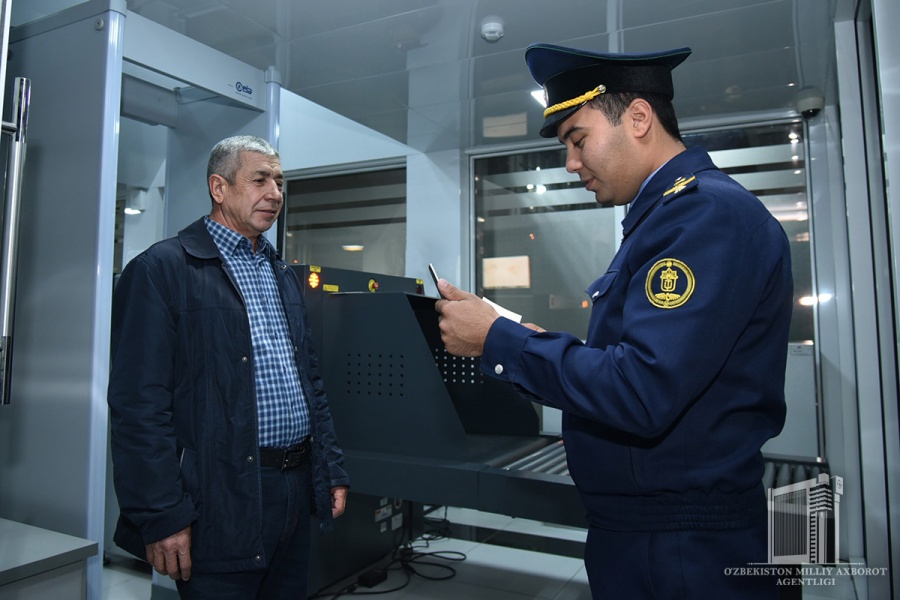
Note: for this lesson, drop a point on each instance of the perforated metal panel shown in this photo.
(460, 370)
(374, 376)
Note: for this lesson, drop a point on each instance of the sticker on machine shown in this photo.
(670, 283)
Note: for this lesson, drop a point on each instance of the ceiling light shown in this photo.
(353, 247)
(813, 300)
(133, 211)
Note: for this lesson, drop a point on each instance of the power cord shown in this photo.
(409, 559)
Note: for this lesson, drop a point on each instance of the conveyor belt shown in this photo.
(549, 459)
(500, 450)
(781, 471)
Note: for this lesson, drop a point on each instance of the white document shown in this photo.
(505, 312)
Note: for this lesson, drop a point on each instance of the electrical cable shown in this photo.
(410, 559)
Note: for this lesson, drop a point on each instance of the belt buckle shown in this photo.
(288, 461)
(292, 458)
(283, 460)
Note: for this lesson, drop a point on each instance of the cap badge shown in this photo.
(670, 283)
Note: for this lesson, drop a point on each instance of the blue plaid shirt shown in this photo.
(282, 411)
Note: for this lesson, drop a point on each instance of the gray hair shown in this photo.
(225, 158)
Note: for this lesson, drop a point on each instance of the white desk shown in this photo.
(37, 564)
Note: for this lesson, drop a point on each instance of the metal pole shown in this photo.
(10, 236)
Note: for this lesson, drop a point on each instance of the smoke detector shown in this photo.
(491, 28)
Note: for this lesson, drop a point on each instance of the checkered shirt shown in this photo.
(282, 412)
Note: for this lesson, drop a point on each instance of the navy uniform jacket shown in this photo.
(681, 378)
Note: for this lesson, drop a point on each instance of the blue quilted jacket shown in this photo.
(183, 405)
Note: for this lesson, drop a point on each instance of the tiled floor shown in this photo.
(124, 579)
(480, 570)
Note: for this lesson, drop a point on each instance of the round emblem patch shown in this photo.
(670, 283)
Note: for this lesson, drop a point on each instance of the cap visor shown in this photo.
(552, 123)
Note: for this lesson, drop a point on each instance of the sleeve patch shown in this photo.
(670, 283)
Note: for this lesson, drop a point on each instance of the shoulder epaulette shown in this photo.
(681, 184)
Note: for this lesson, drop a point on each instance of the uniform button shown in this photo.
(257, 558)
(250, 459)
(498, 369)
(595, 295)
(243, 359)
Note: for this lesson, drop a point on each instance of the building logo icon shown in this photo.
(804, 521)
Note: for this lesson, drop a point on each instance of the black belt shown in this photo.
(284, 458)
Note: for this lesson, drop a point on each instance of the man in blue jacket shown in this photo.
(222, 440)
(680, 378)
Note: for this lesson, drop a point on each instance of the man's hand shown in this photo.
(338, 501)
(172, 555)
(465, 320)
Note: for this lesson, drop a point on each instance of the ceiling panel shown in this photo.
(678, 13)
(420, 72)
(532, 21)
(219, 27)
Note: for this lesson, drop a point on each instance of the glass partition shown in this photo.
(541, 239)
(770, 161)
(353, 221)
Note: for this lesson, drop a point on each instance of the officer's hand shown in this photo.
(172, 555)
(465, 320)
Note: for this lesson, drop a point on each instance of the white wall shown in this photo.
(312, 136)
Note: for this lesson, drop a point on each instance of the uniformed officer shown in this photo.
(680, 379)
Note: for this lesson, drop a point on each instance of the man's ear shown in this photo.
(641, 115)
(217, 185)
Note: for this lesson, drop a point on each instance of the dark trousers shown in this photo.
(286, 532)
(677, 565)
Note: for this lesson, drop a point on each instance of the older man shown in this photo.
(221, 434)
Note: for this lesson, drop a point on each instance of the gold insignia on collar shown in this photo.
(679, 185)
(670, 283)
